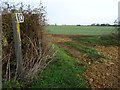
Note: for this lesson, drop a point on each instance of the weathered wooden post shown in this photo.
(16, 19)
(0, 48)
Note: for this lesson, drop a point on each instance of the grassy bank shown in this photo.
(63, 72)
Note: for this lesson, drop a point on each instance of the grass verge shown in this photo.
(62, 73)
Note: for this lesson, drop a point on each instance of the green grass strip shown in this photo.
(62, 73)
(90, 52)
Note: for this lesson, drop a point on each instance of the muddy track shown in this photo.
(79, 56)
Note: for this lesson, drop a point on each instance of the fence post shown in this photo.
(17, 46)
(0, 49)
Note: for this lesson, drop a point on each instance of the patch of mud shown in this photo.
(111, 52)
(56, 39)
(104, 75)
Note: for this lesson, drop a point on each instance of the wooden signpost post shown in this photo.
(18, 18)
(0, 49)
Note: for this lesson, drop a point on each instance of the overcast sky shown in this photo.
(78, 11)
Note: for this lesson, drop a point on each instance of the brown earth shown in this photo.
(55, 38)
(99, 74)
(62, 38)
(104, 75)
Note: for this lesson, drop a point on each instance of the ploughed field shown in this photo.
(87, 57)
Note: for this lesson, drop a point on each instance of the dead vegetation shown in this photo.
(36, 50)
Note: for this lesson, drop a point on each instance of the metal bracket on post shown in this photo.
(17, 45)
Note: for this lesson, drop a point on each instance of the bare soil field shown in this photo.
(102, 73)
(105, 74)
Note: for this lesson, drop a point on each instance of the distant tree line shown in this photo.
(97, 24)
(104, 24)
(100, 24)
